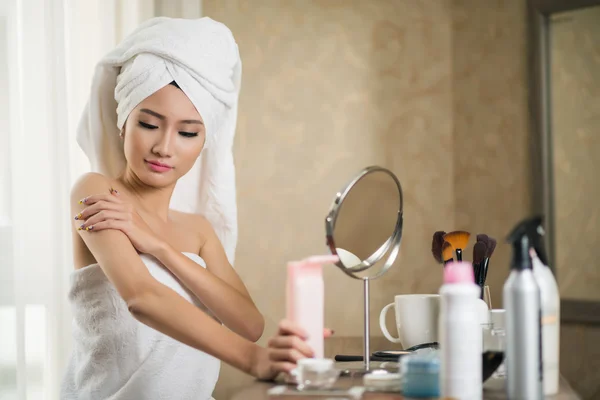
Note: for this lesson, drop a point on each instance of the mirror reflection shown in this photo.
(367, 218)
(575, 126)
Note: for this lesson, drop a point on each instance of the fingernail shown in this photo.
(89, 228)
(113, 191)
(82, 226)
(78, 216)
(82, 201)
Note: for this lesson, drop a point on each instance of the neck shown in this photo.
(151, 200)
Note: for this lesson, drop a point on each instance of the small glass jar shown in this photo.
(382, 381)
(488, 341)
(498, 342)
(315, 373)
(421, 375)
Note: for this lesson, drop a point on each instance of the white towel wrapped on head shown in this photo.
(202, 56)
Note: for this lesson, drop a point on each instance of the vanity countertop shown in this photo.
(493, 390)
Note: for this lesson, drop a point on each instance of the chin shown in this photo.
(157, 179)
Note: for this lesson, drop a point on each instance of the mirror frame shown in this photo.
(539, 13)
(390, 248)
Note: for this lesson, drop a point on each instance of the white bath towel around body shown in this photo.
(116, 357)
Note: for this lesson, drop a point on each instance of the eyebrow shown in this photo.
(162, 117)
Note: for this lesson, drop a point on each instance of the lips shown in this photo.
(158, 166)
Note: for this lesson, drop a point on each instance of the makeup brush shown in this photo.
(482, 237)
(491, 246)
(479, 252)
(436, 246)
(459, 240)
(447, 251)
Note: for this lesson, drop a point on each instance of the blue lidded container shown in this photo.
(421, 375)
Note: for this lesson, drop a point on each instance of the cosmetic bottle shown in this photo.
(460, 334)
(305, 298)
(523, 323)
(550, 304)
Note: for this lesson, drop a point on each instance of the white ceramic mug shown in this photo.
(416, 319)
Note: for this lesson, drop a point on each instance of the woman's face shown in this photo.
(163, 137)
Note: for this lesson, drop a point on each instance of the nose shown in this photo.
(165, 144)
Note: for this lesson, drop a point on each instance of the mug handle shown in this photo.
(383, 327)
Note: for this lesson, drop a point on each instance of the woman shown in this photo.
(156, 301)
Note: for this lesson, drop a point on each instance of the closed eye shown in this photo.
(152, 127)
(147, 126)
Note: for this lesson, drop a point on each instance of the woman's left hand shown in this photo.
(284, 350)
(109, 211)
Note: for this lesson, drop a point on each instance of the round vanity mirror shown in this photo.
(364, 223)
(364, 228)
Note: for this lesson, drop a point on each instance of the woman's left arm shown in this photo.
(218, 286)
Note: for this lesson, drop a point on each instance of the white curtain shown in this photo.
(48, 49)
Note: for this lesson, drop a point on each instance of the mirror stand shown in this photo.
(367, 327)
(363, 243)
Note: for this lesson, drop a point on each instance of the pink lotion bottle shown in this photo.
(305, 297)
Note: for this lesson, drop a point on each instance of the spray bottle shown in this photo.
(523, 322)
(550, 304)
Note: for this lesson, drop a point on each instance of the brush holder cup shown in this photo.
(364, 228)
(486, 296)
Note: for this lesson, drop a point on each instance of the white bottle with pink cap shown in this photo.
(306, 298)
(460, 334)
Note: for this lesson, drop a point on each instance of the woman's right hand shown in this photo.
(111, 211)
(283, 352)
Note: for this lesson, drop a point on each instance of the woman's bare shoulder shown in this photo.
(90, 183)
(195, 222)
(193, 229)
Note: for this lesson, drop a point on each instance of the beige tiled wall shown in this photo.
(434, 90)
(491, 134)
